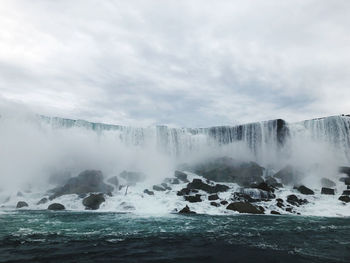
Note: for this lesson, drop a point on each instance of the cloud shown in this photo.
(185, 63)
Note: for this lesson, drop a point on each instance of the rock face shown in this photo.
(344, 198)
(327, 191)
(186, 210)
(228, 170)
(244, 207)
(56, 207)
(21, 204)
(288, 175)
(132, 177)
(214, 204)
(193, 199)
(42, 201)
(304, 190)
(275, 213)
(211, 189)
(181, 176)
(93, 201)
(88, 181)
(325, 182)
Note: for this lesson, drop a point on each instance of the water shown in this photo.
(44, 236)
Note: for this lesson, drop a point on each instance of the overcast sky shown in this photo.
(185, 63)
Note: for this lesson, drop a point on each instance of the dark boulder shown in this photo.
(186, 191)
(346, 192)
(288, 175)
(231, 171)
(132, 177)
(224, 202)
(211, 189)
(264, 186)
(305, 190)
(347, 181)
(193, 199)
(275, 213)
(88, 181)
(181, 176)
(213, 197)
(21, 204)
(279, 202)
(158, 188)
(93, 201)
(114, 181)
(294, 200)
(56, 207)
(244, 207)
(344, 198)
(146, 191)
(327, 191)
(42, 201)
(325, 182)
(344, 170)
(186, 210)
(289, 209)
(214, 204)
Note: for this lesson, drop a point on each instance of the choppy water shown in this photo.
(44, 236)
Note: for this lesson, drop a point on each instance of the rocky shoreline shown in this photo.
(222, 183)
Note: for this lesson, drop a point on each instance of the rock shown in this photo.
(304, 190)
(181, 176)
(146, 191)
(89, 181)
(19, 194)
(289, 209)
(265, 187)
(288, 175)
(294, 200)
(279, 202)
(114, 181)
(171, 180)
(347, 181)
(213, 197)
(344, 170)
(56, 206)
(158, 188)
(257, 194)
(186, 191)
(348, 187)
(346, 192)
(344, 198)
(231, 171)
(93, 201)
(272, 182)
(275, 213)
(193, 199)
(200, 185)
(42, 201)
(327, 191)
(127, 206)
(224, 202)
(132, 177)
(186, 210)
(166, 187)
(214, 204)
(21, 204)
(244, 207)
(325, 182)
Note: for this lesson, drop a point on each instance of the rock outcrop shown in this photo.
(21, 204)
(327, 191)
(56, 207)
(186, 210)
(305, 190)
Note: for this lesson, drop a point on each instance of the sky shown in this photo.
(182, 63)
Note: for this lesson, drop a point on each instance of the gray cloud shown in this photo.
(185, 63)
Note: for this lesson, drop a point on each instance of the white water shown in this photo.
(33, 148)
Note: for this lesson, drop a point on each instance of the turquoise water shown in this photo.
(44, 236)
